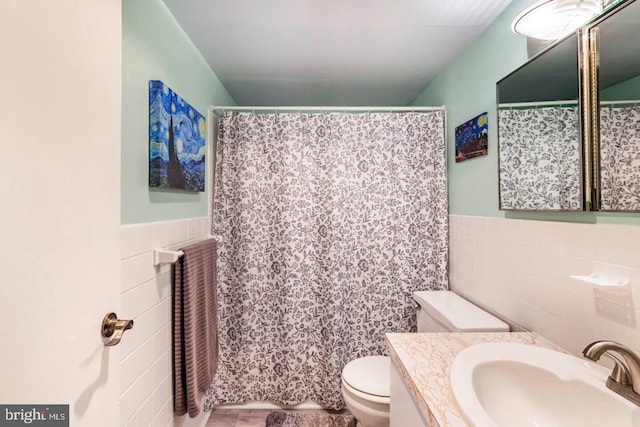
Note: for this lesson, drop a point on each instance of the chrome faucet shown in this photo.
(625, 377)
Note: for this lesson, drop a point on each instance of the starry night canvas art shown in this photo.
(176, 141)
(472, 138)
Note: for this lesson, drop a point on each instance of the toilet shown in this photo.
(366, 385)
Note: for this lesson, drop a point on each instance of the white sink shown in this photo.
(508, 384)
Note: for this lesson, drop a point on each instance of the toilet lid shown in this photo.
(369, 375)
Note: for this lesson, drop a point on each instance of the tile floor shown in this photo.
(249, 417)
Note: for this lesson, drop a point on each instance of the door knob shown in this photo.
(113, 328)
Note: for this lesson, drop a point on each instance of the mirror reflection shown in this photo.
(539, 142)
(619, 94)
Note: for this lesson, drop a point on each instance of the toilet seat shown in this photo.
(369, 378)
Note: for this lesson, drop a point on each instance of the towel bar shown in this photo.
(162, 256)
(165, 256)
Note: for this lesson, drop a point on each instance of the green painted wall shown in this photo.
(467, 87)
(628, 89)
(154, 47)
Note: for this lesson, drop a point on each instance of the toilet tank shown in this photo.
(445, 311)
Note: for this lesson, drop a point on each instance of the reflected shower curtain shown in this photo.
(620, 158)
(330, 222)
(540, 159)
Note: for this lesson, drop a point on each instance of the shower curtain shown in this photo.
(540, 159)
(330, 222)
(620, 158)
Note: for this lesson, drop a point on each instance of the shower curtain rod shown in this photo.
(321, 109)
(507, 105)
(628, 101)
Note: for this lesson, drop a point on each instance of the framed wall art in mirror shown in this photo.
(539, 139)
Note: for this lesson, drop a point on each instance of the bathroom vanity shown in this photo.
(421, 362)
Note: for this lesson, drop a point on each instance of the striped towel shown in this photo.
(195, 331)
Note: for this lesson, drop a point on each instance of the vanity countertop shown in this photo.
(424, 361)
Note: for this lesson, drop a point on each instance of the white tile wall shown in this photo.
(521, 270)
(518, 268)
(146, 394)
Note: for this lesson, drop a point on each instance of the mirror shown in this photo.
(539, 140)
(618, 39)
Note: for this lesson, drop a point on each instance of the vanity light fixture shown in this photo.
(554, 19)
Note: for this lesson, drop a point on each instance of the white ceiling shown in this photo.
(331, 52)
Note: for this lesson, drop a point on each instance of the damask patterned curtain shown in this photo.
(620, 158)
(330, 222)
(540, 165)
